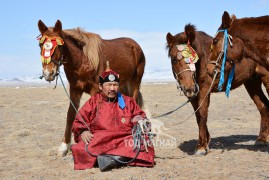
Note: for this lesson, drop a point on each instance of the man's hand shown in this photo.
(137, 118)
(86, 136)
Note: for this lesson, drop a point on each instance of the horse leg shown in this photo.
(202, 147)
(254, 89)
(75, 96)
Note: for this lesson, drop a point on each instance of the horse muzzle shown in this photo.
(190, 92)
(49, 76)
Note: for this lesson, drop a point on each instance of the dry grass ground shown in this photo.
(32, 122)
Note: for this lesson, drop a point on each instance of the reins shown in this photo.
(215, 75)
(170, 112)
(58, 74)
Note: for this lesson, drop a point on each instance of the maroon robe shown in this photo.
(112, 130)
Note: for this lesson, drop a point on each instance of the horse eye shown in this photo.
(215, 40)
(174, 60)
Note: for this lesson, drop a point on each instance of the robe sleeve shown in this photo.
(86, 115)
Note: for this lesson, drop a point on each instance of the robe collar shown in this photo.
(119, 98)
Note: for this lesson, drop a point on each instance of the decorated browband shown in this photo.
(189, 55)
(48, 47)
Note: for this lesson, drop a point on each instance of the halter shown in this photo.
(49, 45)
(186, 52)
(227, 38)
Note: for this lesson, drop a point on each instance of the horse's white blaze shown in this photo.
(63, 149)
(46, 72)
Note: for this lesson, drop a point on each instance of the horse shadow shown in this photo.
(231, 142)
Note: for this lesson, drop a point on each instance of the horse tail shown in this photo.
(140, 100)
(140, 60)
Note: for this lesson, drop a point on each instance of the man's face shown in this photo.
(110, 89)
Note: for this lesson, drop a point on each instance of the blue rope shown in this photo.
(221, 81)
(230, 79)
(231, 74)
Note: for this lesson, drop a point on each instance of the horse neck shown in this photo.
(246, 28)
(250, 31)
(200, 45)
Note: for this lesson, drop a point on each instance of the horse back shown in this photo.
(125, 56)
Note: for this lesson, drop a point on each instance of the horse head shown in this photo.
(183, 59)
(50, 44)
(225, 46)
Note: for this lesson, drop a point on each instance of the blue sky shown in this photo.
(146, 21)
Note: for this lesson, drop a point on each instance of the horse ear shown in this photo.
(234, 17)
(42, 27)
(226, 20)
(58, 27)
(170, 39)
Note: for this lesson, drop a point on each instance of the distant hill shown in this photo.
(16, 80)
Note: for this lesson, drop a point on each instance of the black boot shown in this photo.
(108, 162)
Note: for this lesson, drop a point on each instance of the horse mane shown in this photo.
(190, 32)
(91, 44)
(256, 20)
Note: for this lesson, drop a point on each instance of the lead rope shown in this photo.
(215, 75)
(138, 138)
(138, 141)
(170, 112)
(180, 106)
(72, 102)
(226, 39)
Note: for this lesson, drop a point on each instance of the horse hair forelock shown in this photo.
(92, 44)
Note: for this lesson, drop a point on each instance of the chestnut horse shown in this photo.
(245, 73)
(250, 38)
(84, 56)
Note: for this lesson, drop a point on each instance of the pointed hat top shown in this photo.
(108, 75)
(107, 66)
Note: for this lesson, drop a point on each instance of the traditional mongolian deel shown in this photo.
(111, 127)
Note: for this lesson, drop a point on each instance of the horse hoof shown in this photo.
(200, 152)
(261, 143)
(63, 149)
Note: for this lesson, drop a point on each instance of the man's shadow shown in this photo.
(223, 143)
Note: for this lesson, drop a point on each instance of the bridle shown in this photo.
(226, 39)
(48, 46)
(224, 47)
(53, 43)
(193, 70)
(177, 74)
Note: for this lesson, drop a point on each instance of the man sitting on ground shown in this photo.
(107, 130)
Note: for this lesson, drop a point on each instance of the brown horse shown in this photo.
(84, 56)
(250, 38)
(245, 73)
